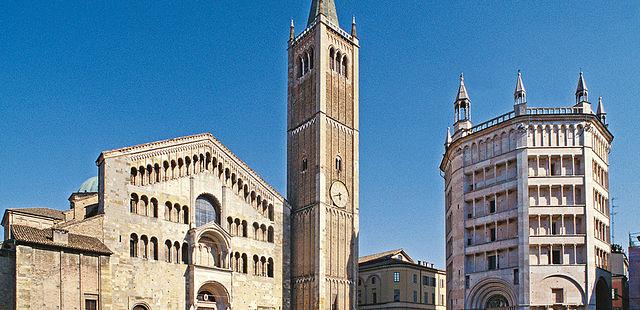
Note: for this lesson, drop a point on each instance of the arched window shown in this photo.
(256, 266)
(345, 63)
(185, 214)
(270, 268)
(156, 171)
(154, 248)
(270, 234)
(180, 165)
(229, 224)
(133, 245)
(207, 165)
(338, 163)
(145, 246)
(304, 165)
(307, 65)
(263, 232)
(175, 213)
(237, 228)
(187, 163)
(150, 177)
(207, 210)
(300, 67)
(133, 204)
(165, 166)
(244, 263)
(338, 62)
(263, 269)
(141, 173)
(271, 215)
(134, 175)
(332, 60)
(244, 229)
(167, 252)
(176, 252)
(173, 169)
(167, 210)
(185, 253)
(154, 207)
(143, 207)
(256, 229)
(196, 164)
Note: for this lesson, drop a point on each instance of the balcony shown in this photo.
(557, 210)
(491, 218)
(491, 246)
(557, 239)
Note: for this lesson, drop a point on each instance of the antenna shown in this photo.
(613, 214)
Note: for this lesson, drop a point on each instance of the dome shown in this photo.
(89, 186)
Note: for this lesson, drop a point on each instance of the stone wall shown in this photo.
(7, 278)
(166, 285)
(53, 279)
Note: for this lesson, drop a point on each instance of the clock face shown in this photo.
(339, 194)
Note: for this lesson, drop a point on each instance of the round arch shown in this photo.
(603, 295)
(490, 292)
(208, 209)
(141, 306)
(213, 295)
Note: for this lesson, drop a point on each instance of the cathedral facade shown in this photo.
(186, 224)
(527, 206)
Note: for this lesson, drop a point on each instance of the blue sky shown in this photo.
(79, 77)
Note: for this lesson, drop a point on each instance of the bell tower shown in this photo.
(322, 161)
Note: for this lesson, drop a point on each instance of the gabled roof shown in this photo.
(31, 235)
(43, 212)
(385, 255)
(190, 140)
(324, 7)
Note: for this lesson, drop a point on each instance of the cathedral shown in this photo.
(185, 224)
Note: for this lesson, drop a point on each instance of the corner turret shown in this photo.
(520, 97)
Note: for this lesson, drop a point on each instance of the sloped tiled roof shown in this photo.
(32, 235)
(46, 212)
(387, 254)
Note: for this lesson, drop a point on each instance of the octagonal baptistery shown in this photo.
(191, 226)
(526, 206)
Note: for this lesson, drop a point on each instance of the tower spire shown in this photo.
(354, 32)
(602, 115)
(323, 7)
(462, 90)
(462, 107)
(520, 94)
(520, 97)
(292, 31)
(582, 92)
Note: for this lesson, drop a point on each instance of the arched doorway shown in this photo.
(212, 296)
(603, 295)
(140, 307)
(497, 302)
(491, 293)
